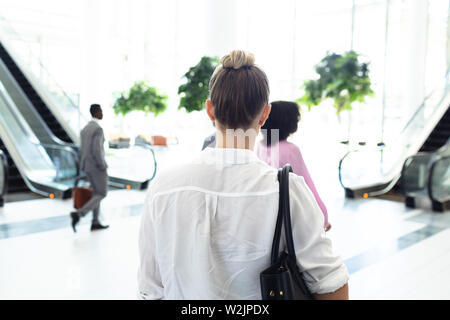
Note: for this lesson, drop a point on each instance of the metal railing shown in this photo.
(155, 163)
(130, 168)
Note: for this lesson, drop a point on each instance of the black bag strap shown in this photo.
(287, 214)
(284, 213)
(279, 224)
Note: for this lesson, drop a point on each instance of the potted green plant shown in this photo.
(342, 78)
(196, 89)
(140, 97)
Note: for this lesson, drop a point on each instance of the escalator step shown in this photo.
(437, 139)
(13, 168)
(15, 181)
(17, 189)
(44, 114)
(427, 149)
(444, 124)
(10, 64)
(14, 178)
(47, 116)
(42, 110)
(443, 132)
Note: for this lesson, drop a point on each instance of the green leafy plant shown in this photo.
(196, 89)
(141, 97)
(341, 78)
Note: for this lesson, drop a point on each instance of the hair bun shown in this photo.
(237, 59)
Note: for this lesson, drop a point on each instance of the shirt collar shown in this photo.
(97, 121)
(227, 156)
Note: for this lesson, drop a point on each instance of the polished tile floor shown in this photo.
(391, 252)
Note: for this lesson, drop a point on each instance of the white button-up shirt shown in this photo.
(207, 230)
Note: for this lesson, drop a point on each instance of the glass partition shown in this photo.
(65, 160)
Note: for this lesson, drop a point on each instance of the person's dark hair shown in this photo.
(239, 90)
(284, 116)
(95, 108)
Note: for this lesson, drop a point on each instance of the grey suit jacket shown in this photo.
(92, 151)
(210, 141)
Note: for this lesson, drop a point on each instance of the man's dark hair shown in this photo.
(95, 108)
(284, 116)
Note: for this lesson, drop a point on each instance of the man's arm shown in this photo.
(97, 149)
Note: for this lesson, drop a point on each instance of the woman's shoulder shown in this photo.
(289, 146)
(299, 188)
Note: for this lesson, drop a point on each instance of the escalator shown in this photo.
(13, 178)
(45, 169)
(367, 172)
(426, 177)
(55, 119)
(439, 182)
(439, 135)
(33, 97)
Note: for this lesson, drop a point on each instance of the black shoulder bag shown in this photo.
(283, 279)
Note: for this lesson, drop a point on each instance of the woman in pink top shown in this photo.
(276, 151)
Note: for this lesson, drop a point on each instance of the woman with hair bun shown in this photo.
(282, 122)
(207, 226)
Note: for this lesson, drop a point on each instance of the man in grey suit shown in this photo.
(94, 166)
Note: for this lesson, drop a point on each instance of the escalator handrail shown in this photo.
(340, 166)
(389, 182)
(147, 147)
(4, 163)
(430, 177)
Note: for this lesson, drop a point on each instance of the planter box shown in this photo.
(159, 141)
